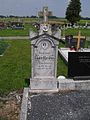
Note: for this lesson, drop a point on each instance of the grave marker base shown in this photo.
(44, 84)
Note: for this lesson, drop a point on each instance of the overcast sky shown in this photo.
(30, 7)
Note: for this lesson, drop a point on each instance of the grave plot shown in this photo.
(3, 47)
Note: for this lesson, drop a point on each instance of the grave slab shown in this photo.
(60, 106)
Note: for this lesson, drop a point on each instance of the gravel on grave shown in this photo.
(60, 106)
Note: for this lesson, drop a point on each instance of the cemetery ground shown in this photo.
(15, 71)
(15, 68)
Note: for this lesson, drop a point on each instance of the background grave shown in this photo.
(78, 64)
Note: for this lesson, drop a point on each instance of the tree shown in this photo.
(73, 11)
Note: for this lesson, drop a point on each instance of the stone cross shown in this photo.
(78, 38)
(45, 13)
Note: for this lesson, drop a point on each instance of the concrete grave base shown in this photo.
(43, 84)
(44, 91)
(56, 85)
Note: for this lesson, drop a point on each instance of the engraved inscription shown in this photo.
(84, 59)
(44, 59)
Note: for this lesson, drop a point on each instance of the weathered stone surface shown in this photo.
(70, 84)
(43, 84)
(23, 113)
(44, 63)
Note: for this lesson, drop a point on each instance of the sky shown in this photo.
(31, 7)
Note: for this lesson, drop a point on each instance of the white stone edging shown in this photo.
(70, 84)
(24, 105)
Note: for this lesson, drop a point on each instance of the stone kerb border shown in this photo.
(24, 105)
(70, 84)
(63, 85)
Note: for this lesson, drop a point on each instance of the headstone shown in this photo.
(44, 56)
(76, 41)
(69, 40)
(78, 64)
(44, 62)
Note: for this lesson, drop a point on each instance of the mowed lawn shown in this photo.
(15, 66)
(72, 31)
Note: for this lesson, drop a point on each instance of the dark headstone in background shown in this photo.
(78, 64)
(70, 41)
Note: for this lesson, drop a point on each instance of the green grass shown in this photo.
(15, 66)
(61, 67)
(9, 32)
(3, 47)
(84, 32)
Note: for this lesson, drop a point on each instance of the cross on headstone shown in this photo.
(45, 13)
(78, 38)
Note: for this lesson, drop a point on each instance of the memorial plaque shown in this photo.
(78, 64)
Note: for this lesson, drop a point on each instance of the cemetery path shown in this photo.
(14, 38)
(23, 37)
(60, 106)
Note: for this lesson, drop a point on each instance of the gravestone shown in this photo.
(44, 55)
(44, 62)
(76, 41)
(68, 40)
(78, 64)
